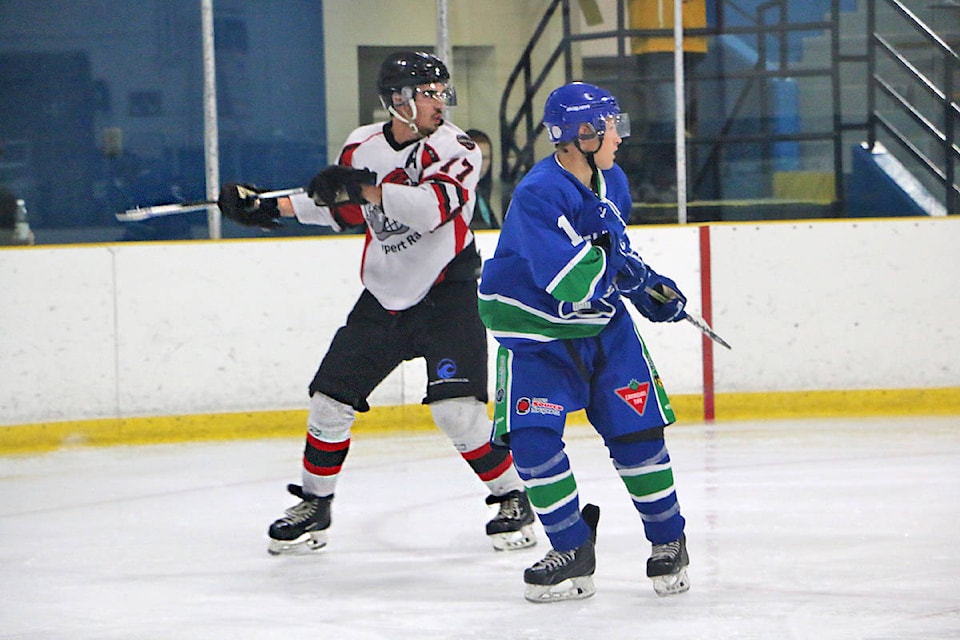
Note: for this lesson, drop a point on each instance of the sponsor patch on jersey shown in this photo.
(635, 394)
(467, 142)
(538, 405)
(545, 407)
(523, 406)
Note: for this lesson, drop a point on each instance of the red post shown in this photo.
(706, 297)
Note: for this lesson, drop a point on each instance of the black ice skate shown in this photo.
(304, 528)
(512, 528)
(565, 575)
(667, 567)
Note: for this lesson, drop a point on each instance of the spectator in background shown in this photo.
(12, 233)
(483, 214)
(126, 180)
(653, 105)
(154, 185)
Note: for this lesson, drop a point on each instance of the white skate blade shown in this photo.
(569, 589)
(671, 584)
(512, 540)
(305, 544)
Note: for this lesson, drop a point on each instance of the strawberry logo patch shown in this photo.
(635, 394)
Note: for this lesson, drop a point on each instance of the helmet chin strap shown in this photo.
(589, 155)
(411, 121)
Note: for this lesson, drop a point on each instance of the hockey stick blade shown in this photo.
(693, 319)
(145, 213)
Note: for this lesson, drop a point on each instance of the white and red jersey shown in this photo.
(429, 188)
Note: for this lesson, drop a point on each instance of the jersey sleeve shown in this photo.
(309, 213)
(447, 189)
(562, 262)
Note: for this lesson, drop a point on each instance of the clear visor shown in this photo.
(619, 122)
(443, 93)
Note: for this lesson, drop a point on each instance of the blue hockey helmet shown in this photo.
(577, 103)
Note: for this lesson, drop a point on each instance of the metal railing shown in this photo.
(516, 154)
(766, 24)
(933, 146)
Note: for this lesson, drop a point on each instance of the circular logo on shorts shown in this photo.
(446, 368)
(523, 406)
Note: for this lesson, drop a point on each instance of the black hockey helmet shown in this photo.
(409, 69)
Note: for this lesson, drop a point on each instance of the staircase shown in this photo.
(782, 103)
(888, 179)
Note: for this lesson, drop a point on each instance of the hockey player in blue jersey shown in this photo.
(553, 297)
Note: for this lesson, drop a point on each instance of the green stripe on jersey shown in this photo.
(507, 317)
(501, 407)
(580, 281)
(663, 401)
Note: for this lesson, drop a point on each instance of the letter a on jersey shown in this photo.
(635, 394)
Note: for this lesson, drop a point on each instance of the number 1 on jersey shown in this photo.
(567, 228)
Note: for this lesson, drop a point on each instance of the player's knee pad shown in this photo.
(644, 447)
(537, 452)
(464, 420)
(329, 420)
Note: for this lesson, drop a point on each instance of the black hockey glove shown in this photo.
(607, 243)
(665, 304)
(338, 185)
(240, 203)
(602, 241)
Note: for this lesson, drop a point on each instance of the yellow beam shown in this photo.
(48, 436)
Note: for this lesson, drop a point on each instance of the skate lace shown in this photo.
(555, 559)
(509, 509)
(666, 551)
(301, 512)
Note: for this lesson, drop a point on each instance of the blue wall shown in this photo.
(79, 73)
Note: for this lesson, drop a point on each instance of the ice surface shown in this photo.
(820, 529)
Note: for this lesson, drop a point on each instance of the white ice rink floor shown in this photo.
(846, 529)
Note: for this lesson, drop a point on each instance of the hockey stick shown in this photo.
(145, 213)
(695, 320)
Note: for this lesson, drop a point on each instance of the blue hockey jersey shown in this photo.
(547, 280)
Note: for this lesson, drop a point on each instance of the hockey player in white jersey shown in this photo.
(411, 181)
(552, 295)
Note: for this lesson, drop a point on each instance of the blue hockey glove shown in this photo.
(659, 300)
(633, 274)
